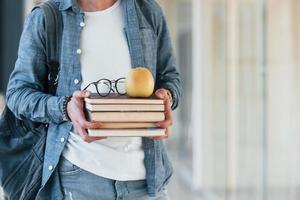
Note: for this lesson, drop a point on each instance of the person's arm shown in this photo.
(168, 83)
(25, 95)
(167, 74)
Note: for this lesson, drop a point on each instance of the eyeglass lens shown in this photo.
(103, 87)
(120, 86)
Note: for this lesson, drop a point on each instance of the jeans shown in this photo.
(78, 184)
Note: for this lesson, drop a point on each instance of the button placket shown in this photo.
(78, 51)
(76, 81)
(81, 24)
(50, 168)
(62, 140)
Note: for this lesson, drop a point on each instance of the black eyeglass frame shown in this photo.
(110, 82)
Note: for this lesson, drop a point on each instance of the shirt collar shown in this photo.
(66, 4)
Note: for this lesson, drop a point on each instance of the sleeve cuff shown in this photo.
(174, 97)
(65, 108)
(55, 109)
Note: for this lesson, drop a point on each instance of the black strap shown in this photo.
(54, 28)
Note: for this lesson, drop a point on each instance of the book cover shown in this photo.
(125, 116)
(121, 99)
(124, 107)
(149, 132)
(127, 125)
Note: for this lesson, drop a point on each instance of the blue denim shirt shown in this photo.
(26, 95)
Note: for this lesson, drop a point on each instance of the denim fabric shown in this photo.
(78, 184)
(26, 93)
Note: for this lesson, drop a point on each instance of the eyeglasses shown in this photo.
(105, 86)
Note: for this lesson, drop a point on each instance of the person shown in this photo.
(95, 45)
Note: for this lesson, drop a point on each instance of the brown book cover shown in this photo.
(127, 125)
(126, 116)
(149, 132)
(121, 99)
(124, 107)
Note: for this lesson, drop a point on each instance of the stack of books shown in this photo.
(125, 116)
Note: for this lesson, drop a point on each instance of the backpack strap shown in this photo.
(54, 28)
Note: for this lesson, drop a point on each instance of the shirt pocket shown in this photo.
(67, 168)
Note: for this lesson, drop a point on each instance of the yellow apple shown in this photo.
(139, 82)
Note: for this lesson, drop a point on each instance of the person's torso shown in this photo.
(158, 167)
(105, 54)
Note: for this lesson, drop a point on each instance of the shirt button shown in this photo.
(78, 51)
(62, 140)
(82, 24)
(76, 81)
(50, 167)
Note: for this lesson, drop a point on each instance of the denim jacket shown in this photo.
(26, 95)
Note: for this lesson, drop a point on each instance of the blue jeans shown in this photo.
(78, 184)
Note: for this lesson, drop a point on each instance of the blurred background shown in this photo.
(236, 134)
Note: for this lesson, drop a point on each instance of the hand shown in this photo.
(163, 94)
(76, 114)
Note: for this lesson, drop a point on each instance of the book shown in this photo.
(127, 125)
(149, 132)
(121, 99)
(124, 107)
(126, 116)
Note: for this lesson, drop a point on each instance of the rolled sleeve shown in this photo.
(26, 93)
(167, 74)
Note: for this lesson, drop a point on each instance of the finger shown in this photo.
(81, 94)
(168, 117)
(168, 110)
(86, 124)
(161, 137)
(167, 133)
(93, 139)
(97, 122)
(155, 138)
(84, 135)
(164, 124)
(90, 125)
(76, 128)
(161, 93)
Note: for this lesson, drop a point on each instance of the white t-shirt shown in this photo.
(105, 54)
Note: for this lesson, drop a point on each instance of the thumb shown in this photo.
(159, 94)
(81, 94)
